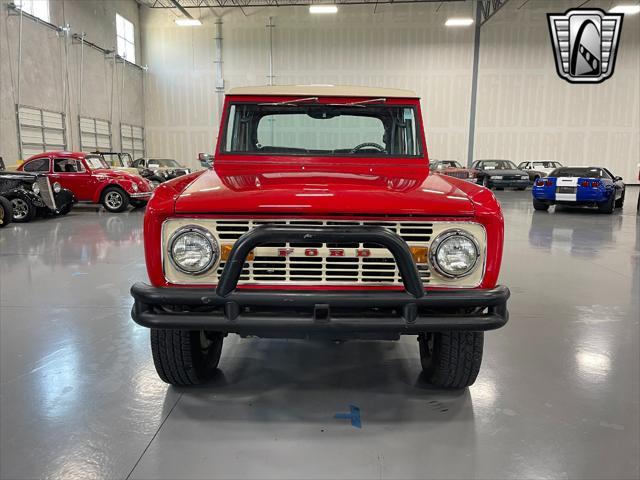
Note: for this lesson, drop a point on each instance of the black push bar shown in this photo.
(280, 234)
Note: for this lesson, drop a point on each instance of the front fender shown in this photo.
(123, 184)
(26, 195)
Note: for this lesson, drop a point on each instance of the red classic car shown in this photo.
(453, 169)
(320, 218)
(91, 179)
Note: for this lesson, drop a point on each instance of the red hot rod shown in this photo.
(320, 218)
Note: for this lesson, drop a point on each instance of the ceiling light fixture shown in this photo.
(323, 9)
(188, 22)
(459, 22)
(626, 9)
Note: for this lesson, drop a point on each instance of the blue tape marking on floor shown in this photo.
(353, 415)
(76, 274)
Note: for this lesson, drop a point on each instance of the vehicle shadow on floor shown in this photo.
(268, 380)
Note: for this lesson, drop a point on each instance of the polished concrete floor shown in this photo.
(558, 395)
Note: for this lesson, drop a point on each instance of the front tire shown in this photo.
(451, 359)
(620, 201)
(539, 205)
(115, 200)
(6, 212)
(185, 357)
(485, 182)
(23, 210)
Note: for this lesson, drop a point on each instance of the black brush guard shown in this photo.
(350, 312)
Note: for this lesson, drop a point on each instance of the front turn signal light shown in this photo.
(419, 254)
(225, 251)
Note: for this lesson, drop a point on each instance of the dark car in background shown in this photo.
(500, 174)
(166, 168)
(31, 195)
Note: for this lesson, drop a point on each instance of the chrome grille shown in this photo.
(46, 192)
(458, 174)
(268, 266)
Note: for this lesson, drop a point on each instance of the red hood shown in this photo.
(340, 189)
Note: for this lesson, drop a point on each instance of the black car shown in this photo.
(31, 195)
(501, 174)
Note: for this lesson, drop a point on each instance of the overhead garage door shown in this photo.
(95, 134)
(132, 140)
(41, 131)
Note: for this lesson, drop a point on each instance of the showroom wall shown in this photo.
(525, 111)
(401, 46)
(44, 69)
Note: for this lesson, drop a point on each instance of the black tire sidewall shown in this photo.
(123, 194)
(5, 205)
(31, 213)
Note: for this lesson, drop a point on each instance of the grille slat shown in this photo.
(378, 268)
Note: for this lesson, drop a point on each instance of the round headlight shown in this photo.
(193, 250)
(454, 253)
(56, 187)
(36, 188)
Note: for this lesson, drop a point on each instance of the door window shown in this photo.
(37, 165)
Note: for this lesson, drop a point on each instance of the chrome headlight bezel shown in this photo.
(35, 188)
(208, 236)
(57, 188)
(437, 243)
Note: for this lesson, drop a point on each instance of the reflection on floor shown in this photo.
(558, 395)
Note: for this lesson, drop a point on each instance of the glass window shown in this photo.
(290, 128)
(37, 8)
(37, 165)
(580, 172)
(65, 165)
(95, 162)
(163, 163)
(125, 36)
(448, 164)
(495, 165)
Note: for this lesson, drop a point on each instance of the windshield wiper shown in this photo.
(292, 102)
(360, 103)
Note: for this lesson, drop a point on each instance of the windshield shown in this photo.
(112, 159)
(496, 165)
(163, 163)
(580, 172)
(358, 129)
(546, 164)
(95, 162)
(448, 164)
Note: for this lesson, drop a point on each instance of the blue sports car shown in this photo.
(579, 186)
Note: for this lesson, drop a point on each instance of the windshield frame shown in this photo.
(222, 155)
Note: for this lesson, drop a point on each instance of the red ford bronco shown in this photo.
(320, 218)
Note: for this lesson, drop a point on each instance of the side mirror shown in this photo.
(617, 179)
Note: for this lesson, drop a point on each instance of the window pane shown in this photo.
(121, 47)
(119, 25)
(128, 31)
(130, 52)
(41, 9)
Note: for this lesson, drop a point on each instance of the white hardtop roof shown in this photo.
(324, 91)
